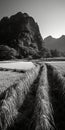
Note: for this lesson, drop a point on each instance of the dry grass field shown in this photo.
(56, 81)
(59, 65)
(9, 78)
(11, 72)
(32, 95)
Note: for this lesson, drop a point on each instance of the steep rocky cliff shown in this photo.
(20, 37)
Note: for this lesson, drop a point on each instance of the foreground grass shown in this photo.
(33, 100)
(57, 96)
(43, 111)
(9, 78)
(11, 72)
(14, 97)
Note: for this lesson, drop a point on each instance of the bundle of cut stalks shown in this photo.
(43, 110)
(14, 98)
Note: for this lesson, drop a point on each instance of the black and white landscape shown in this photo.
(32, 65)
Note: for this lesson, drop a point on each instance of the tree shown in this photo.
(55, 53)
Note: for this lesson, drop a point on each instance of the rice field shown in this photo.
(59, 65)
(32, 95)
(9, 78)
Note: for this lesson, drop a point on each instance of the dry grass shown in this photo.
(24, 85)
(14, 98)
(57, 96)
(10, 73)
(34, 100)
(9, 78)
(59, 65)
(43, 110)
(8, 110)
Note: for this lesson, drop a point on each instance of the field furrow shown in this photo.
(33, 100)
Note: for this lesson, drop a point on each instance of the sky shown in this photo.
(49, 14)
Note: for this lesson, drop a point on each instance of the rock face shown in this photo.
(20, 37)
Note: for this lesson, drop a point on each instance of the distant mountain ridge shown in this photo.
(55, 43)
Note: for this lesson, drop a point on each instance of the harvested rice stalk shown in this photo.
(43, 111)
(57, 96)
(14, 98)
(8, 110)
(24, 86)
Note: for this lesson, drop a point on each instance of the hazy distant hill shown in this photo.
(19, 37)
(53, 43)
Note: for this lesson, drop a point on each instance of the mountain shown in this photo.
(20, 37)
(55, 43)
